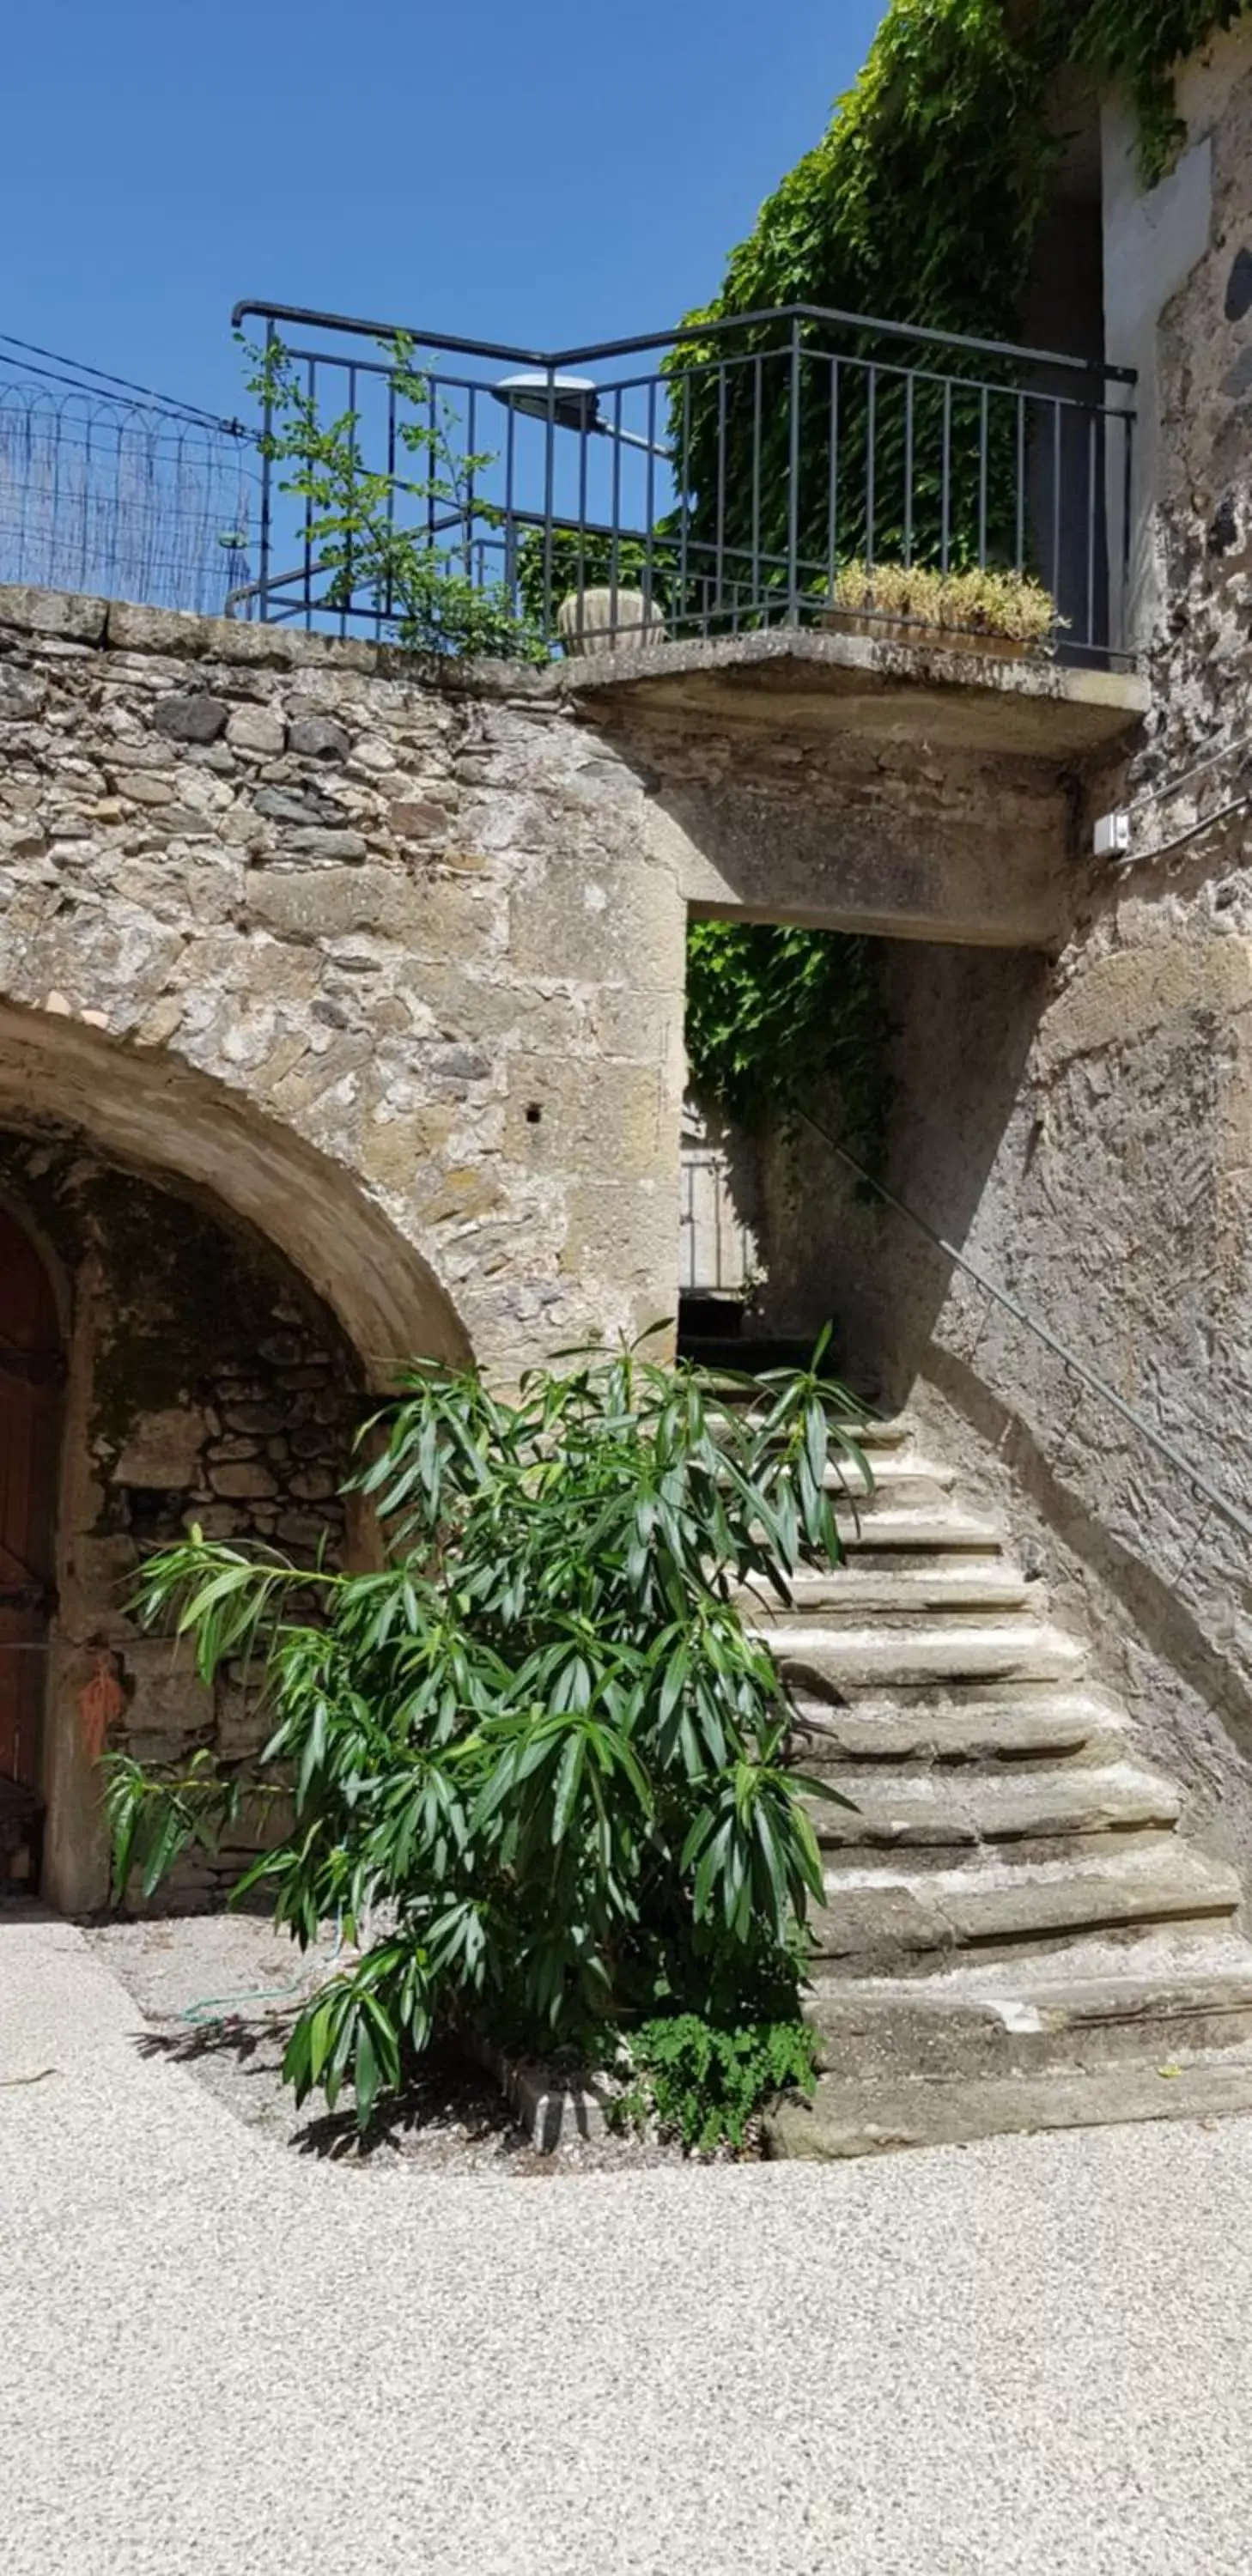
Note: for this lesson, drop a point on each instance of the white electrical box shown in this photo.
(1112, 836)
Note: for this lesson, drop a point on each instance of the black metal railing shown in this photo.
(718, 487)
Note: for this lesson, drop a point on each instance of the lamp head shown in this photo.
(572, 402)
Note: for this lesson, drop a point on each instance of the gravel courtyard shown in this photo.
(222, 2356)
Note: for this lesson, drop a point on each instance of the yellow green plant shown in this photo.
(982, 600)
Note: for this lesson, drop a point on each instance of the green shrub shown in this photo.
(370, 533)
(538, 1761)
(704, 2083)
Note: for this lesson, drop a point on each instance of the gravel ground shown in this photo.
(1029, 2357)
(219, 1992)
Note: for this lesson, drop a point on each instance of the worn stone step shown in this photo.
(1022, 1725)
(883, 1911)
(904, 1476)
(861, 2119)
(902, 1592)
(1027, 2020)
(844, 1655)
(974, 1807)
(879, 1433)
(880, 1522)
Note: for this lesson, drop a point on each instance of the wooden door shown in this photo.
(30, 1377)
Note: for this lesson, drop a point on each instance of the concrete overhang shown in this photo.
(979, 704)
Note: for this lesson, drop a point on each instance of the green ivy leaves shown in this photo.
(777, 1019)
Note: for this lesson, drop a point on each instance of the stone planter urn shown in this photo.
(609, 621)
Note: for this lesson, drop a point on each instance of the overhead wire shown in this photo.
(32, 351)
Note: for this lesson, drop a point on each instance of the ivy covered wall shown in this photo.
(921, 203)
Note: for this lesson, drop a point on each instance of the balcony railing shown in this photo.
(704, 482)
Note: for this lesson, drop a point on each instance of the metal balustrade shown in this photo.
(706, 482)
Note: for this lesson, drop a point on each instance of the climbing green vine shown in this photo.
(779, 1018)
(921, 203)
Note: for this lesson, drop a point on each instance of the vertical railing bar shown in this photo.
(615, 514)
(267, 433)
(308, 508)
(832, 498)
(649, 511)
(432, 459)
(793, 483)
(758, 364)
(471, 451)
(1091, 525)
(549, 472)
(510, 524)
(684, 510)
(584, 438)
(871, 461)
(1020, 547)
(1128, 466)
(346, 596)
(945, 478)
(908, 470)
(388, 598)
(719, 530)
(983, 409)
(1056, 500)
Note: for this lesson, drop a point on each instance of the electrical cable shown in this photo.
(1165, 795)
(209, 2008)
(173, 403)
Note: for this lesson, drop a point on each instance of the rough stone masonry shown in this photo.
(377, 969)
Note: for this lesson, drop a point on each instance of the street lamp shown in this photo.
(570, 402)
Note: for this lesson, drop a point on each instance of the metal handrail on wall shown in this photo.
(1088, 1377)
(728, 481)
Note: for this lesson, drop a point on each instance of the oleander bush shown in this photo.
(537, 1764)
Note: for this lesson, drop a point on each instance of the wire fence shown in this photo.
(123, 498)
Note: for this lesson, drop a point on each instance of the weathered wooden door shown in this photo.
(30, 1379)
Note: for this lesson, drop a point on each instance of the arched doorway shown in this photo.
(30, 1384)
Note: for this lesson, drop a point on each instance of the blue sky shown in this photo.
(542, 171)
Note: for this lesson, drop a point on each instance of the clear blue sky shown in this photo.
(542, 171)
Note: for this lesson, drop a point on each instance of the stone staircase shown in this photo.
(1017, 1935)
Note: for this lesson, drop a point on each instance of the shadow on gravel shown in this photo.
(448, 2108)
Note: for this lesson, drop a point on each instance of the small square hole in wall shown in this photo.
(533, 1113)
(153, 1512)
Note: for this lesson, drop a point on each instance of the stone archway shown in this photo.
(206, 1379)
(155, 1112)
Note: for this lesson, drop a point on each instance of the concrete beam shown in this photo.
(952, 698)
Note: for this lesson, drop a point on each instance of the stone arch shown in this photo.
(154, 1111)
(160, 1126)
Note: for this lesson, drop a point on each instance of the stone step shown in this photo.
(906, 1475)
(879, 1433)
(1023, 1725)
(880, 1912)
(905, 1591)
(881, 1522)
(977, 1807)
(1089, 2007)
(861, 2119)
(838, 1656)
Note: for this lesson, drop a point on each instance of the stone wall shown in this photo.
(373, 957)
(203, 1383)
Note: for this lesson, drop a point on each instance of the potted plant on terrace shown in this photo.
(981, 610)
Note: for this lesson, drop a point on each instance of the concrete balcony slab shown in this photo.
(949, 696)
